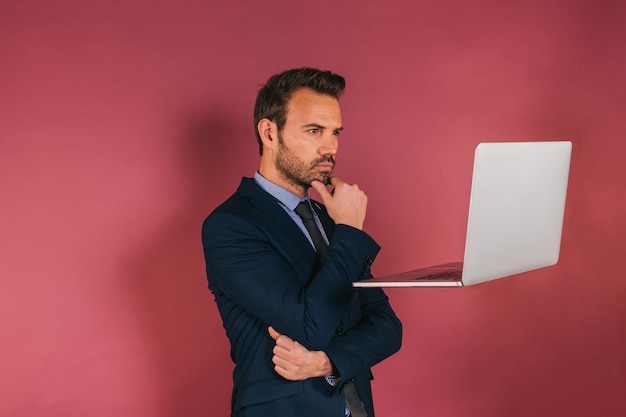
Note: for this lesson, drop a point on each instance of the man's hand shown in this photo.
(346, 205)
(295, 362)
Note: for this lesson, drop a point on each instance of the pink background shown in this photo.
(123, 124)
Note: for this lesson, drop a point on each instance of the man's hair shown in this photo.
(272, 99)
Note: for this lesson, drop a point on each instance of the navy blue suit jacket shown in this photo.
(264, 272)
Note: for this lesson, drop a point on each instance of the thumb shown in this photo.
(273, 333)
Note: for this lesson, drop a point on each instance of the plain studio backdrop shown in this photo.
(124, 123)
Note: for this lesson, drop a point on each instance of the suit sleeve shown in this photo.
(243, 264)
(376, 336)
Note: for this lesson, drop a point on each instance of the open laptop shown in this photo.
(515, 217)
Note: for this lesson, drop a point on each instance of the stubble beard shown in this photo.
(297, 172)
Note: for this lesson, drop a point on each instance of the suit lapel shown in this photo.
(281, 222)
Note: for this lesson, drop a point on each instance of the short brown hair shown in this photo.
(271, 101)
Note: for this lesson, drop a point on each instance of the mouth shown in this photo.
(326, 166)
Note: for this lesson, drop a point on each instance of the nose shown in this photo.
(328, 145)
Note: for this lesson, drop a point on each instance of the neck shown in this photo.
(271, 174)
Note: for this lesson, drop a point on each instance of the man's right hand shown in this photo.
(294, 362)
(347, 203)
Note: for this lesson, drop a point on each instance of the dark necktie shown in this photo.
(306, 214)
(353, 402)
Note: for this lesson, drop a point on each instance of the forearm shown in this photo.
(375, 337)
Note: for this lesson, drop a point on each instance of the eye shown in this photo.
(314, 130)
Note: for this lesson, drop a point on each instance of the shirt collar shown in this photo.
(284, 196)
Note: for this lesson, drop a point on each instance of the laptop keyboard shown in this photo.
(442, 276)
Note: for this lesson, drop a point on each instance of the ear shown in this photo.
(268, 131)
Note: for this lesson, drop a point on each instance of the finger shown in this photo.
(285, 373)
(273, 333)
(322, 191)
(286, 342)
(279, 367)
(284, 364)
(285, 369)
(335, 181)
(281, 352)
(281, 362)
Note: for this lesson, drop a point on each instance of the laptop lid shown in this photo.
(515, 215)
(516, 209)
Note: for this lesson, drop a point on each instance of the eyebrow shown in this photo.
(319, 126)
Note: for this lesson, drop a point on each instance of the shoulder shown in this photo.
(248, 195)
(250, 208)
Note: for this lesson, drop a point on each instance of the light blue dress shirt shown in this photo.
(288, 201)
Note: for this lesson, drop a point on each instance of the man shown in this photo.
(302, 338)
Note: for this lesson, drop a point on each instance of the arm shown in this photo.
(258, 261)
(262, 270)
(378, 332)
(375, 337)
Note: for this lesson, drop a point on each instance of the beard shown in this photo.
(298, 172)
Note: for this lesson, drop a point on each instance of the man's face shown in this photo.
(308, 141)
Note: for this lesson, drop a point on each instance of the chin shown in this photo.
(326, 174)
(324, 178)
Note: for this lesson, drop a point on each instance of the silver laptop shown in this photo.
(515, 217)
